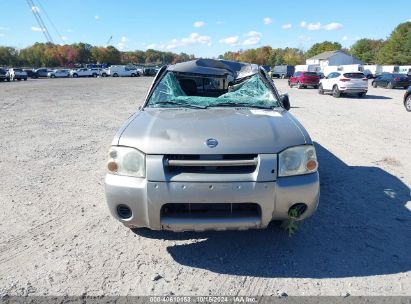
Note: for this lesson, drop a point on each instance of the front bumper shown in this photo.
(146, 199)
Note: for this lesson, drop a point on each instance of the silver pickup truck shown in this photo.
(212, 148)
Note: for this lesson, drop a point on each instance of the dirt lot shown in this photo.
(58, 238)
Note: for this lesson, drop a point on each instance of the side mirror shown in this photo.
(285, 100)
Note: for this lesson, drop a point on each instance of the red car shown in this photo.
(304, 79)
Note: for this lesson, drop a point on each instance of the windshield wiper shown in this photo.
(179, 104)
(239, 104)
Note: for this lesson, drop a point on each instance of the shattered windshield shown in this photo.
(202, 91)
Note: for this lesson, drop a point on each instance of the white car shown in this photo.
(122, 71)
(17, 74)
(344, 83)
(82, 72)
(58, 73)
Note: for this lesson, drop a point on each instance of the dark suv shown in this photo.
(304, 79)
(4, 75)
(282, 71)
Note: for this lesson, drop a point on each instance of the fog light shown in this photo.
(124, 211)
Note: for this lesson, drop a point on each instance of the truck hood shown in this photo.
(185, 131)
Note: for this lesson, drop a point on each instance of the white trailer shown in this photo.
(343, 68)
(404, 69)
(373, 69)
(307, 68)
(390, 68)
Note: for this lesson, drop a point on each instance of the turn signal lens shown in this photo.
(112, 166)
(311, 165)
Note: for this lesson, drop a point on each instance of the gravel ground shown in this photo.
(57, 237)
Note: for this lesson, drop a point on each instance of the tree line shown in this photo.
(396, 49)
(55, 55)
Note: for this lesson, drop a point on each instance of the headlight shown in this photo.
(297, 160)
(126, 161)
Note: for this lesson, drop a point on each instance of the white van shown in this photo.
(122, 71)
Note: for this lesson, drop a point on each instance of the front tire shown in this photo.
(115, 75)
(390, 85)
(362, 94)
(289, 84)
(336, 92)
(75, 75)
(299, 85)
(374, 85)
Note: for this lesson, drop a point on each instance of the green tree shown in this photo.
(8, 56)
(325, 46)
(366, 49)
(397, 48)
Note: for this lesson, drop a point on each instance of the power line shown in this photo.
(40, 21)
(49, 19)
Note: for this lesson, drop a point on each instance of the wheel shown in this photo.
(289, 84)
(362, 94)
(53, 76)
(407, 103)
(299, 85)
(374, 84)
(104, 75)
(320, 89)
(315, 87)
(25, 79)
(336, 92)
(115, 75)
(94, 75)
(75, 75)
(282, 76)
(18, 79)
(8, 79)
(390, 85)
(133, 75)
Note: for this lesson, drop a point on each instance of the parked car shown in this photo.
(59, 73)
(339, 83)
(391, 81)
(81, 72)
(42, 72)
(282, 71)
(31, 73)
(198, 158)
(304, 79)
(407, 99)
(150, 71)
(17, 74)
(4, 75)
